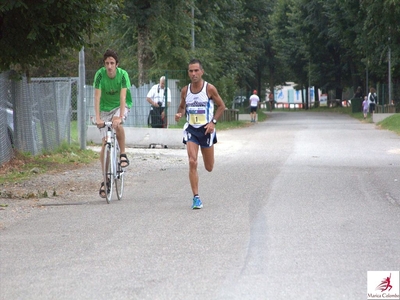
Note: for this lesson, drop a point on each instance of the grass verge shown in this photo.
(391, 123)
(66, 157)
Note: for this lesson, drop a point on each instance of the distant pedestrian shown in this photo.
(359, 93)
(365, 107)
(372, 99)
(156, 97)
(254, 101)
(271, 100)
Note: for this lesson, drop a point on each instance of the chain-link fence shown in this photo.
(35, 117)
(6, 119)
(385, 105)
(52, 98)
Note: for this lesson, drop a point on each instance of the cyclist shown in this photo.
(112, 101)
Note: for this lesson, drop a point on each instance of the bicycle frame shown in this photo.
(113, 173)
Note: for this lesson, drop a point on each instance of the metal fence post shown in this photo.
(82, 101)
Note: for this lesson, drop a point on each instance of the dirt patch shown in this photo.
(74, 183)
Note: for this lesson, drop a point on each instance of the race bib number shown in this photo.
(197, 116)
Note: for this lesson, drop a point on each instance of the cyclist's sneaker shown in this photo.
(197, 204)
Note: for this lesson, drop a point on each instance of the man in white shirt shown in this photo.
(254, 100)
(156, 97)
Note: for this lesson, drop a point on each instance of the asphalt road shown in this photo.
(298, 207)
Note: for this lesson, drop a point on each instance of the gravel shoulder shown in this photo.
(75, 184)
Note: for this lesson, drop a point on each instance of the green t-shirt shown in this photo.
(111, 88)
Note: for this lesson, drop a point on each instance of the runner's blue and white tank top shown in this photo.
(199, 108)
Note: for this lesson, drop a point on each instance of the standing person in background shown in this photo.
(112, 101)
(197, 102)
(254, 100)
(372, 99)
(156, 98)
(365, 107)
(359, 93)
(271, 101)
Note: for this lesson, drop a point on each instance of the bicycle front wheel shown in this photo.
(119, 178)
(108, 174)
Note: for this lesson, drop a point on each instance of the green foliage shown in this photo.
(34, 30)
(225, 89)
(244, 45)
(332, 42)
(230, 38)
(155, 34)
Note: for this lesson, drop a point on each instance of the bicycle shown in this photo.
(113, 173)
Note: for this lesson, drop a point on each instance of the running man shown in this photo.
(197, 102)
(254, 101)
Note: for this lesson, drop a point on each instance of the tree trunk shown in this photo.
(144, 53)
(339, 92)
(355, 76)
(271, 67)
(338, 78)
(316, 95)
(307, 97)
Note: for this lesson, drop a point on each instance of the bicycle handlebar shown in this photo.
(108, 123)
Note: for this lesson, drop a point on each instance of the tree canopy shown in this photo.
(34, 30)
(244, 45)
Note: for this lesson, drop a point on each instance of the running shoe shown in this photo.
(197, 204)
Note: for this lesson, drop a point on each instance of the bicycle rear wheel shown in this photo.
(119, 178)
(108, 174)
